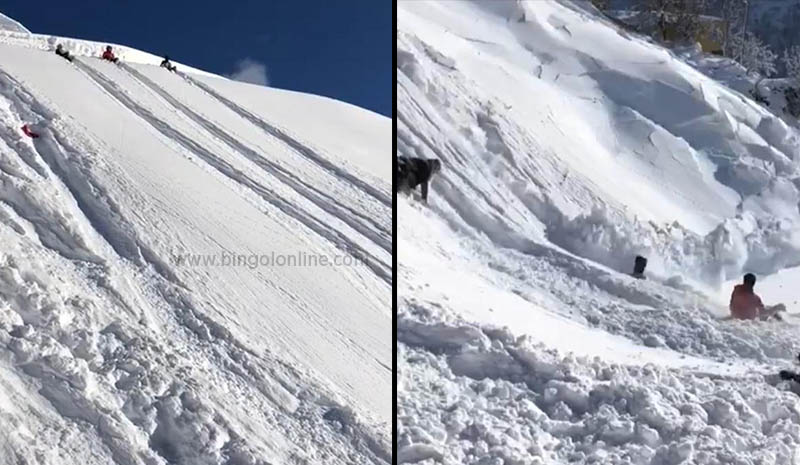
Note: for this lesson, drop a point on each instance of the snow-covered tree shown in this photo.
(791, 59)
(689, 17)
(756, 56)
(658, 14)
(682, 16)
(733, 17)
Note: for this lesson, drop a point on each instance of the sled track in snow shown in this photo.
(322, 200)
(302, 149)
(335, 237)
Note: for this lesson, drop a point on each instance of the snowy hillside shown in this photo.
(164, 294)
(9, 25)
(569, 147)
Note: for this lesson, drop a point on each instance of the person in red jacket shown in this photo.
(109, 55)
(746, 304)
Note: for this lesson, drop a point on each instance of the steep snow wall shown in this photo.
(555, 124)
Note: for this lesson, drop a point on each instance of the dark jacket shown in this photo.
(413, 172)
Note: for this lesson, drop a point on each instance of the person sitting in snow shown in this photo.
(413, 172)
(109, 55)
(60, 51)
(746, 304)
(167, 64)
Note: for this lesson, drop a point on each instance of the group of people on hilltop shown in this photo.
(108, 55)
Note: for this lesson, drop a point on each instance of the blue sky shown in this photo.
(337, 48)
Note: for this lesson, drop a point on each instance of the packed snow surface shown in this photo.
(568, 147)
(128, 333)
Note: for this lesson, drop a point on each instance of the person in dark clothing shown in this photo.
(168, 64)
(63, 53)
(787, 375)
(639, 264)
(109, 55)
(413, 172)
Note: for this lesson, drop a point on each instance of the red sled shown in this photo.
(29, 133)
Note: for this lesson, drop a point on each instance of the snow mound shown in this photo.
(500, 399)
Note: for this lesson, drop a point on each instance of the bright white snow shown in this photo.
(114, 347)
(568, 147)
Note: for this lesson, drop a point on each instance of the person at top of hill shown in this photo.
(746, 304)
(109, 55)
(63, 53)
(413, 172)
(168, 64)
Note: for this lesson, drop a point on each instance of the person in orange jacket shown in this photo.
(746, 304)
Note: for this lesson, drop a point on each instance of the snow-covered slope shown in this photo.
(162, 294)
(10, 25)
(568, 147)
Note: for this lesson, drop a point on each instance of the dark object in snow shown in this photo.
(787, 375)
(109, 55)
(412, 172)
(639, 264)
(63, 53)
(27, 130)
(168, 64)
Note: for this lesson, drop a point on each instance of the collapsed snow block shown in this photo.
(414, 453)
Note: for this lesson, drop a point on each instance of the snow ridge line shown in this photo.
(304, 150)
(382, 270)
(322, 200)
